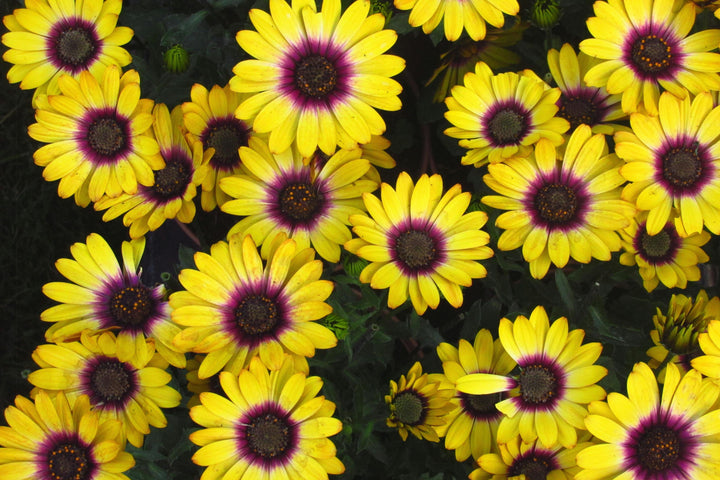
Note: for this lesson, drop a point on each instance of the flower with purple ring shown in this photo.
(558, 376)
(317, 77)
(267, 436)
(648, 435)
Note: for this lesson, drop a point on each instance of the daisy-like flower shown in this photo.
(645, 47)
(557, 378)
(310, 202)
(673, 160)
(709, 364)
(132, 391)
(458, 15)
(210, 118)
(418, 405)
(472, 425)
(578, 102)
(234, 307)
(53, 439)
(676, 333)
(560, 209)
(49, 39)
(317, 76)
(95, 131)
(502, 116)
(673, 436)
(664, 257)
(266, 425)
(173, 191)
(518, 459)
(420, 242)
(102, 294)
(462, 55)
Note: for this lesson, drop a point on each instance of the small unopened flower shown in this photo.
(545, 14)
(177, 59)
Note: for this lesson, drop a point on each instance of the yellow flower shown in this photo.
(709, 364)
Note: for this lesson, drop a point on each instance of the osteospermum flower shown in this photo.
(319, 76)
(501, 116)
(673, 160)
(457, 15)
(50, 39)
(673, 436)
(95, 131)
(709, 364)
(645, 47)
(210, 118)
(132, 391)
(518, 459)
(578, 102)
(420, 242)
(664, 257)
(310, 202)
(676, 333)
(173, 191)
(102, 294)
(472, 424)
(418, 405)
(557, 378)
(236, 307)
(559, 210)
(53, 439)
(267, 425)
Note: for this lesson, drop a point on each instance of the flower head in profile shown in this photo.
(645, 47)
(471, 427)
(308, 200)
(672, 161)
(560, 209)
(210, 118)
(266, 425)
(498, 117)
(677, 330)
(420, 242)
(671, 435)
(557, 378)
(578, 102)
(172, 193)
(235, 306)
(48, 39)
(96, 135)
(103, 295)
(132, 391)
(47, 438)
(418, 404)
(458, 16)
(664, 257)
(317, 77)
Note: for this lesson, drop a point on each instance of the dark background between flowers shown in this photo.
(604, 298)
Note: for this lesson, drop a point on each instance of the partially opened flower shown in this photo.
(130, 391)
(317, 77)
(236, 307)
(471, 427)
(559, 210)
(51, 437)
(103, 295)
(96, 135)
(266, 425)
(672, 160)
(210, 118)
(498, 117)
(418, 405)
(48, 39)
(648, 435)
(458, 16)
(309, 201)
(420, 241)
(172, 194)
(558, 377)
(709, 364)
(645, 47)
